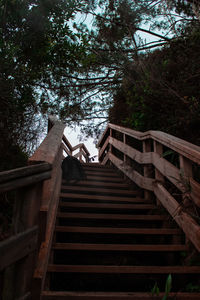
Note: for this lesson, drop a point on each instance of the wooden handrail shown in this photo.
(183, 147)
(157, 171)
(37, 189)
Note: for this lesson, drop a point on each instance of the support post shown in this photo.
(148, 169)
(158, 148)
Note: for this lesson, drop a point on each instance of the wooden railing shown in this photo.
(25, 254)
(166, 168)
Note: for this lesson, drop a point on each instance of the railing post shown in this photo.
(185, 167)
(110, 134)
(25, 215)
(148, 169)
(185, 174)
(110, 148)
(124, 141)
(158, 148)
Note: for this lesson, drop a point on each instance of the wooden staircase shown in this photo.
(111, 243)
(105, 237)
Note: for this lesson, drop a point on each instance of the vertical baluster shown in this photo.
(18, 277)
(185, 174)
(124, 141)
(158, 148)
(148, 169)
(185, 166)
(111, 135)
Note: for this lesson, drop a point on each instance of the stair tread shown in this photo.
(113, 216)
(99, 177)
(100, 250)
(107, 173)
(101, 197)
(118, 230)
(124, 269)
(98, 190)
(52, 295)
(119, 247)
(107, 205)
(107, 184)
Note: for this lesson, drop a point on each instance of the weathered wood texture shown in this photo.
(51, 295)
(18, 246)
(37, 191)
(157, 170)
(69, 149)
(44, 252)
(48, 149)
(18, 253)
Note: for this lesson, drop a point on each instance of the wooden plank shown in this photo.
(83, 147)
(96, 167)
(67, 144)
(104, 146)
(189, 150)
(141, 181)
(102, 174)
(185, 148)
(52, 295)
(117, 230)
(102, 197)
(18, 246)
(98, 190)
(195, 191)
(113, 216)
(44, 251)
(180, 146)
(25, 181)
(97, 183)
(104, 179)
(139, 157)
(125, 269)
(168, 170)
(120, 247)
(23, 172)
(184, 220)
(66, 150)
(48, 149)
(108, 205)
(103, 135)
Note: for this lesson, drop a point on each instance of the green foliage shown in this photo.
(155, 290)
(52, 62)
(161, 90)
(168, 286)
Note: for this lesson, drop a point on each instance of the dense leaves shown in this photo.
(76, 58)
(36, 45)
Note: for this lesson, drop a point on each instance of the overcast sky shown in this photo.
(72, 136)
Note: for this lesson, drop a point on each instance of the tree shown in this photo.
(38, 53)
(123, 32)
(52, 63)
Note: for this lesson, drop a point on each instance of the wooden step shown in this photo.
(100, 178)
(96, 165)
(119, 247)
(111, 230)
(97, 184)
(113, 216)
(107, 173)
(51, 295)
(102, 197)
(108, 205)
(97, 169)
(124, 269)
(98, 190)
